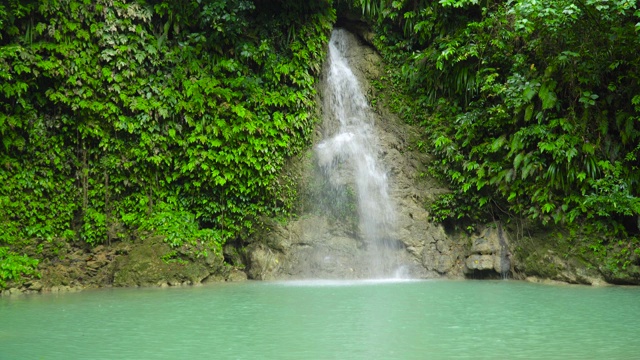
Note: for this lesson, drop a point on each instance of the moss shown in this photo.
(575, 256)
(148, 265)
(537, 265)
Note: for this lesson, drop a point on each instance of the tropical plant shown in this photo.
(534, 109)
(114, 114)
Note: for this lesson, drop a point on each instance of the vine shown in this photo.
(120, 118)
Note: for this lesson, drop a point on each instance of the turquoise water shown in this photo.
(327, 320)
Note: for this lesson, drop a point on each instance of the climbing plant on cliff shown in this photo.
(532, 107)
(118, 116)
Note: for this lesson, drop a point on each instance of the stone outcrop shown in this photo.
(149, 265)
(568, 260)
(489, 254)
(67, 267)
(324, 240)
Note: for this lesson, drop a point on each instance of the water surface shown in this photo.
(327, 320)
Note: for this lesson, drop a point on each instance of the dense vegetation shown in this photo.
(120, 118)
(125, 118)
(532, 108)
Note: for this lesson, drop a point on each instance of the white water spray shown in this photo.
(352, 148)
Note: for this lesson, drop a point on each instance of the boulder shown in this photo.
(236, 275)
(487, 244)
(263, 262)
(480, 262)
(144, 266)
(35, 286)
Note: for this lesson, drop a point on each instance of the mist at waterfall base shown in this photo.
(348, 164)
(434, 319)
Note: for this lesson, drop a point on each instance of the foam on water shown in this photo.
(337, 283)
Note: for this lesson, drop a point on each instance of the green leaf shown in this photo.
(548, 207)
(528, 112)
(547, 95)
(517, 160)
(581, 176)
(529, 93)
(498, 143)
(441, 141)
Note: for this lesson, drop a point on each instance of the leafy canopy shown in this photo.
(120, 118)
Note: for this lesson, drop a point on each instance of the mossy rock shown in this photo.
(147, 265)
(541, 266)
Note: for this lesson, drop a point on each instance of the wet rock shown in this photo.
(62, 288)
(15, 291)
(214, 278)
(444, 263)
(538, 280)
(264, 262)
(326, 239)
(144, 266)
(480, 262)
(502, 263)
(35, 286)
(279, 239)
(489, 253)
(68, 266)
(236, 275)
(439, 258)
(487, 244)
(629, 275)
(234, 254)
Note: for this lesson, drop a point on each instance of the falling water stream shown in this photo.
(351, 148)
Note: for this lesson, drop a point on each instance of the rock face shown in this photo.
(65, 267)
(325, 239)
(489, 254)
(148, 266)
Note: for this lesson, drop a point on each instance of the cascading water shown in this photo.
(349, 150)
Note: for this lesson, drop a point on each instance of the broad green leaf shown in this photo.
(498, 143)
(517, 160)
(528, 112)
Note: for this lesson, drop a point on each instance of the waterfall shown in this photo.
(349, 150)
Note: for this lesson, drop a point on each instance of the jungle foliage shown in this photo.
(125, 117)
(531, 106)
(532, 110)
